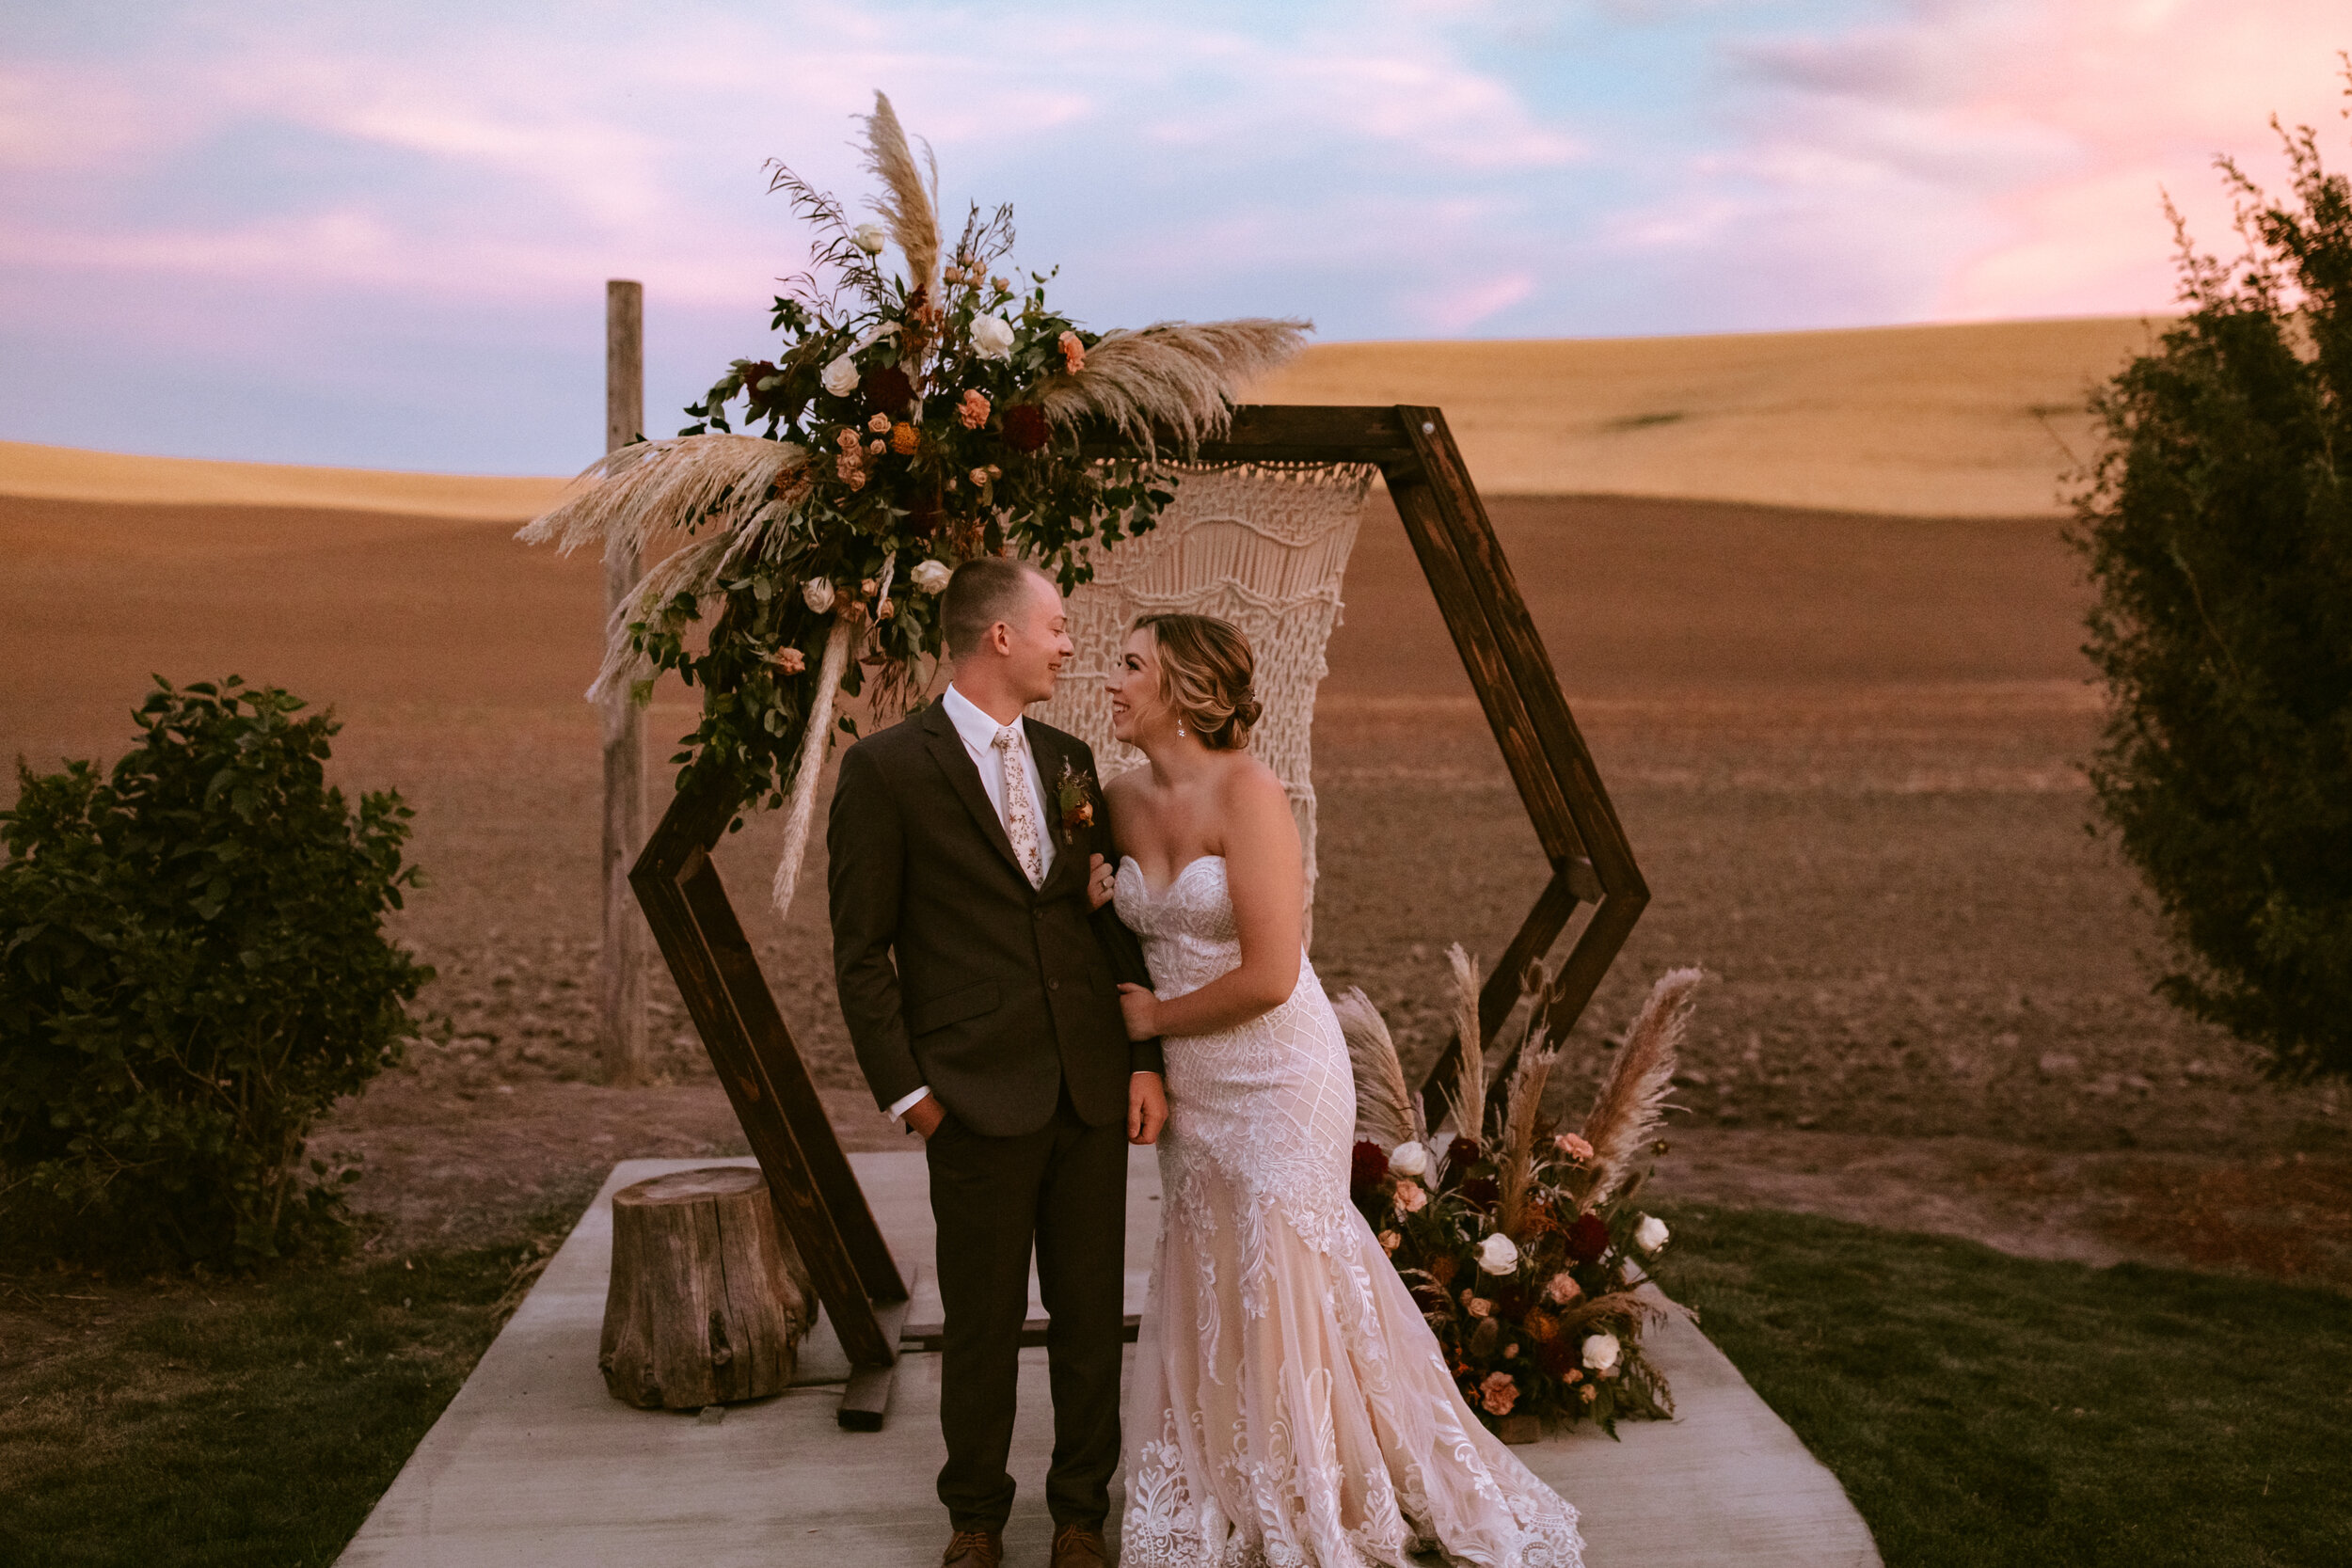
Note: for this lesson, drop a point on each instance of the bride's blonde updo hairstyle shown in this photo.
(1205, 670)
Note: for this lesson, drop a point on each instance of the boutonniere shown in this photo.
(1073, 801)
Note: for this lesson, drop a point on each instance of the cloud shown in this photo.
(322, 199)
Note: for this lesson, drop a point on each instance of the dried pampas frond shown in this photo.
(694, 569)
(1466, 1103)
(1626, 1111)
(803, 810)
(909, 208)
(633, 493)
(1387, 1110)
(1180, 377)
(1523, 1104)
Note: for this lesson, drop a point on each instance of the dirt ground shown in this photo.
(1846, 750)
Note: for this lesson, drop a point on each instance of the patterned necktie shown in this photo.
(1020, 811)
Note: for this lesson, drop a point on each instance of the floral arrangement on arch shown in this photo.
(906, 422)
(1521, 1242)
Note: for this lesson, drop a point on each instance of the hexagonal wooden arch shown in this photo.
(818, 1199)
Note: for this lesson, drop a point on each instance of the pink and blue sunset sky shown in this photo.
(378, 235)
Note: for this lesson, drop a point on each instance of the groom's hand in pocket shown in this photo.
(1147, 1107)
(925, 1116)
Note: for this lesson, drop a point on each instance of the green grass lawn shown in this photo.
(237, 1423)
(1981, 1409)
(1984, 1409)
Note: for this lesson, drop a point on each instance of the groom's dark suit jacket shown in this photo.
(1000, 993)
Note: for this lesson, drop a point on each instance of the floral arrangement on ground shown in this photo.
(1523, 1244)
(908, 422)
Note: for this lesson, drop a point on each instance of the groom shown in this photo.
(982, 998)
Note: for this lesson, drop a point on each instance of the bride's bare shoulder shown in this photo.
(1247, 784)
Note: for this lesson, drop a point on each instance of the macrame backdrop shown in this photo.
(1262, 545)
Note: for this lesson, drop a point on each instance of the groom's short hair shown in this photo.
(985, 590)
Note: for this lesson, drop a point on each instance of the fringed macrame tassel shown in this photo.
(804, 803)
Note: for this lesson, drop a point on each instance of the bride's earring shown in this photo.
(1180, 728)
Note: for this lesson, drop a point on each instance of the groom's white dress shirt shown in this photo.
(977, 731)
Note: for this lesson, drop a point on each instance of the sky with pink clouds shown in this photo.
(378, 235)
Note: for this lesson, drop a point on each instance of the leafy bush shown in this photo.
(2219, 529)
(191, 967)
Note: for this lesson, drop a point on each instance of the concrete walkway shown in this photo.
(533, 1463)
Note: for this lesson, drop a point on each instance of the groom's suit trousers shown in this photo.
(1064, 1188)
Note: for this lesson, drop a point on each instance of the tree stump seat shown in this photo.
(708, 1300)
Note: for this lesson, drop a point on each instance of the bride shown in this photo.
(1290, 1405)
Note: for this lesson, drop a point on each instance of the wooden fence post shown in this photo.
(621, 964)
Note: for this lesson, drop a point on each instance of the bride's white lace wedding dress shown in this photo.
(1290, 1405)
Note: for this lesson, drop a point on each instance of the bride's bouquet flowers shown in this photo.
(906, 420)
(1524, 1245)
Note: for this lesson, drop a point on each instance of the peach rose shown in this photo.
(1410, 1199)
(1499, 1393)
(1562, 1288)
(879, 424)
(1073, 353)
(1574, 1147)
(971, 412)
(790, 661)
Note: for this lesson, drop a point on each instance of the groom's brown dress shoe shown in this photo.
(973, 1549)
(1076, 1546)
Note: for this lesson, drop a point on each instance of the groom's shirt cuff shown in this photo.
(900, 1106)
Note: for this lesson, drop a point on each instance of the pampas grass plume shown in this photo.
(1625, 1112)
(1385, 1109)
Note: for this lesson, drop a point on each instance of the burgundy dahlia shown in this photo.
(1588, 1238)
(1371, 1165)
(886, 389)
(1025, 428)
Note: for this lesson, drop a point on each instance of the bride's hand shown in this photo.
(1142, 1010)
(1101, 881)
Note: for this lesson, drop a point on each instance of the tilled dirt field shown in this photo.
(1846, 750)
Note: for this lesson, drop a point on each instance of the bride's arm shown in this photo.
(1268, 880)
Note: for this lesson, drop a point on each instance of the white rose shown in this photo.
(840, 377)
(1600, 1353)
(818, 593)
(1650, 1234)
(867, 237)
(1497, 1254)
(932, 577)
(1410, 1159)
(991, 337)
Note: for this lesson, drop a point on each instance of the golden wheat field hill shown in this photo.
(70, 474)
(1977, 421)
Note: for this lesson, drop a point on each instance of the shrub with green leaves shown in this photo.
(192, 967)
(2218, 531)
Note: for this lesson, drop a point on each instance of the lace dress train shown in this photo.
(1290, 1405)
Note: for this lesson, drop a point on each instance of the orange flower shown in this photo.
(902, 439)
(1073, 353)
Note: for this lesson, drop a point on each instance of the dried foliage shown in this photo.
(1466, 1097)
(1385, 1109)
(1515, 1165)
(1173, 378)
(909, 205)
(1626, 1111)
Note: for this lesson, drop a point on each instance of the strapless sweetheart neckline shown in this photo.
(1160, 893)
